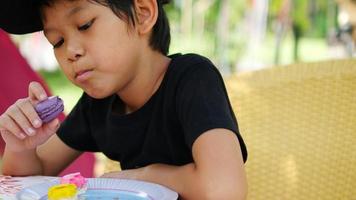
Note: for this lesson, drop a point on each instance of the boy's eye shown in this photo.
(58, 44)
(86, 26)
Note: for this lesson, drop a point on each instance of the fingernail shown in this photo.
(42, 97)
(22, 136)
(37, 123)
(31, 132)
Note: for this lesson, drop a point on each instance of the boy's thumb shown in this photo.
(53, 125)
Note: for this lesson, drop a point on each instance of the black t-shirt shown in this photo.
(190, 100)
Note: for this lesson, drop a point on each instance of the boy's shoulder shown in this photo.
(190, 59)
(191, 67)
(191, 62)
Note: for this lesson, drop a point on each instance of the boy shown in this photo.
(167, 119)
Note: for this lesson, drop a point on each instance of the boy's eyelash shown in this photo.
(86, 26)
(81, 28)
(58, 44)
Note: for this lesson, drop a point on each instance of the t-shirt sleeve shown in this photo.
(203, 104)
(75, 129)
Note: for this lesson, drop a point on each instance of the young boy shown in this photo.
(167, 119)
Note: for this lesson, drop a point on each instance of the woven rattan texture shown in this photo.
(299, 125)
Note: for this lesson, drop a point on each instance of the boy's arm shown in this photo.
(55, 155)
(217, 171)
(21, 163)
(48, 159)
(32, 147)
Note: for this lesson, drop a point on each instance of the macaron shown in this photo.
(74, 178)
(49, 109)
(77, 179)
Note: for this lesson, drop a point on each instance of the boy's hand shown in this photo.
(20, 126)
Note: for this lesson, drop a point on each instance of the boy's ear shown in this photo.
(146, 15)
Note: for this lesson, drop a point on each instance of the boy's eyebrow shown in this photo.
(69, 14)
(74, 10)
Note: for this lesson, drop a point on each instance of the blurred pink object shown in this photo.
(15, 76)
(74, 178)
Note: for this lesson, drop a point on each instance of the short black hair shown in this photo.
(160, 38)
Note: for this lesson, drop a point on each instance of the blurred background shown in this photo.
(237, 35)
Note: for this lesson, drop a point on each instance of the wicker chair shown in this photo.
(299, 125)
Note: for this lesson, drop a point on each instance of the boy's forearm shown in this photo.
(191, 183)
(24, 163)
(186, 180)
(181, 179)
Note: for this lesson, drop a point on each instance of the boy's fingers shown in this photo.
(36, 92)
(20, 119)
(8, 126)
(28, 110)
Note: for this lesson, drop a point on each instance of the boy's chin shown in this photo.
(97, 94)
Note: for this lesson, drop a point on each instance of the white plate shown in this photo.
(106, 189)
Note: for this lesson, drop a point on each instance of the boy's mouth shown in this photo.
(83, 75)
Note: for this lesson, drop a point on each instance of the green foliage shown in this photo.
(309, 16)
(274, 7)
(172, 12)
(237, 12)
(300, 15)
(211, 17)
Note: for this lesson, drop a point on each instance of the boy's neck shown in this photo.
(149, 77)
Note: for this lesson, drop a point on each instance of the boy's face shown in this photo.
(96, 50)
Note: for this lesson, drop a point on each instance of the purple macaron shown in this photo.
(49, 109)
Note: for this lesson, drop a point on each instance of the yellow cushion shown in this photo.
(299, 125)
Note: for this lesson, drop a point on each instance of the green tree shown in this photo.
(215, 23)
(307, 17)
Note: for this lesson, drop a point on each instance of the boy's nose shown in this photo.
(74, 52)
